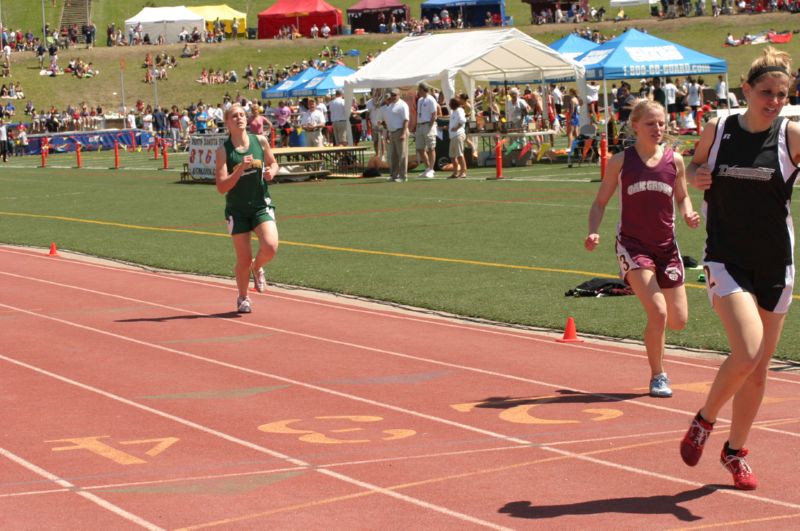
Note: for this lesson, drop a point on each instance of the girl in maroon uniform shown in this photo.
(650, 177)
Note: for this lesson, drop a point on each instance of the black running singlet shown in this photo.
(747, 207)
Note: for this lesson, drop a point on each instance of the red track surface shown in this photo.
(134, 399)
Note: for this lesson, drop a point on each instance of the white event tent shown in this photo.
(479, 55)
(166, 21)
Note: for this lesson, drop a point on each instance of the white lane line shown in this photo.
(336, 475)
(242, 442)
(645, 472)
(487, 328)
(313, 338)
(341, 464)
(375, 403)
(119, 511)
(321, 339)
(346, 344)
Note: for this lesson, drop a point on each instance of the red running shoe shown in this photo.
(743, 477)
(694, 440)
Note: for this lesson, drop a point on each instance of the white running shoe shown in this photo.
(243, 305)
(659, 386)
(259, 280)
(428, 173)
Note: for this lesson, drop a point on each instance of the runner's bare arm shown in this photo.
(698, 174)
(604, 194)
(270, 162)
(682, 199)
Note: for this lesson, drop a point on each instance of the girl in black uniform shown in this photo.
(746, 165)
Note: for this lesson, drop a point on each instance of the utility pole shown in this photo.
(44, 25)
(122, 83)
(155, 89)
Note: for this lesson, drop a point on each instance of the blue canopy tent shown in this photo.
(323, 84)
(638, 55)
(281, 90)
(473, 12)
(573, 45)
(635, 54)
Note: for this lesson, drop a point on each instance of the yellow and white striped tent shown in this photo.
(225, 14)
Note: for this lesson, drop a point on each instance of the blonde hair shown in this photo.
(772, 62)
(229, 110)
(643, 106)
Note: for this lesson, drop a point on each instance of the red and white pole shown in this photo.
(603, 155)
(498, 157)
(164, 155)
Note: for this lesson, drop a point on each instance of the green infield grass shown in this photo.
(705, 34)
(499, 250)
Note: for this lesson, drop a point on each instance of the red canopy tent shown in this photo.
(366, 14)
(302, 14)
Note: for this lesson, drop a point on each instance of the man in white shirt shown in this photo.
(671, 91)
(326, 31)
(323, 109)
(395, 116)
(218, 115)
(313, 124)
(425, 132)
(516, 110)
(7, 59)
(592, 95)
(130, 120)
(3, 140)
(722, 92)
(339, 117)
(558, 99)
(186, 126)
(376, 121)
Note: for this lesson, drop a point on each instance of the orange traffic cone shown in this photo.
(53, 250)
(570, 335)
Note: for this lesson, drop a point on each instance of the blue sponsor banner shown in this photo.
(89, 140)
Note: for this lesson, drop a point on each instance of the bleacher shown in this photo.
(76, 12)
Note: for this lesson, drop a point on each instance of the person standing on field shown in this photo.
(395, 115)
(425, 132)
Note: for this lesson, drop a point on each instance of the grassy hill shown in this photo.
(27, 13)
(705, 34)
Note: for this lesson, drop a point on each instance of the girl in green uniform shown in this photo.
(244, 166)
